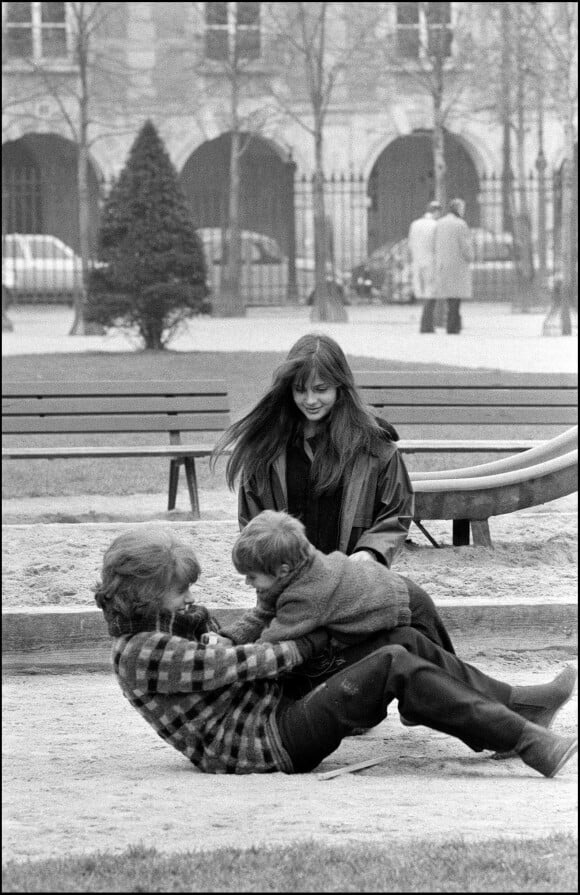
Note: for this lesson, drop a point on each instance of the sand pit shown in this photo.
(81, 771)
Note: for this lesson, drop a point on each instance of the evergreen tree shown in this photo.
(151, 274)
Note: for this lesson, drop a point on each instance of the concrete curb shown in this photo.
(69, 640)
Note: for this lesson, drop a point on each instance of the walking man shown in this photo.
(422, 252)
(453, 254)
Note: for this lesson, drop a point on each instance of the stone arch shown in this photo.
(39, 188)
(401, 183)
(266, 186)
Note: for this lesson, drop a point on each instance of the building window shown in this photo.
(34, 31)
(424, 29)
(232, 31)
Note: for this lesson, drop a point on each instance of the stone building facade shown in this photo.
(165, 62)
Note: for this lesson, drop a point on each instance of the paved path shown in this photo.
(82, 772)
(493, 336)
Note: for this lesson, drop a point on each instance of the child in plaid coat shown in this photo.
(227, 709)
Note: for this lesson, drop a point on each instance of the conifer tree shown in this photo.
(151, 274)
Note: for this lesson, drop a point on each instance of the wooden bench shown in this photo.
(108, 406)
(480, 400)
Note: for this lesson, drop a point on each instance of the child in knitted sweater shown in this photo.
(300, 589)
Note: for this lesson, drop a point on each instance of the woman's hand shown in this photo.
(362, 556)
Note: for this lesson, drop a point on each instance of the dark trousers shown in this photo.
(453, 315)
(432, 687)
(425, 618)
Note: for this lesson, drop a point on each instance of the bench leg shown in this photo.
(173, 480)
(461, 532)
(422, 529)
(191, 478)
(481, 533)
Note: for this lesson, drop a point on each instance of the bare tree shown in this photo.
(539, 48)
(506, 59)
(524, 72)
(436, 53)
(232, 46)
(555, 26)
(319, 41)
(87, 105)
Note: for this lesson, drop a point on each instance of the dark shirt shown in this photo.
(320, 514)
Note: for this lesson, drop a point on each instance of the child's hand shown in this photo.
(362, 556)
(225, 641)
(213, 639)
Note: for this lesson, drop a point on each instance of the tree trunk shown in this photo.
(438, 140)
(568, 202)
(290, 204)
(7, 325)
(522, 225)
(80, 326)
(507, 173)
(327, 304)
(230, 302)
(569, 234)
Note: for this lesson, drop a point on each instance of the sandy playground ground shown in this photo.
(82, 772)
(49, 559)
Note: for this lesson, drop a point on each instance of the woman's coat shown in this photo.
(377, 504)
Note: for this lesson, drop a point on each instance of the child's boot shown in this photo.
(541, 703)
(544, 751)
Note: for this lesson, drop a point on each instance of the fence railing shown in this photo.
(517, 243)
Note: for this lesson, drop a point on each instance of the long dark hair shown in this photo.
(265, 432)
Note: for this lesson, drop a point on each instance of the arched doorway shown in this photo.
(266, 187)
(39, 189)
(401, 184)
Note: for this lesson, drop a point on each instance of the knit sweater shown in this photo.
(216, 704)
(352, 600)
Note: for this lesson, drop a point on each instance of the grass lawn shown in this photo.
(549, 864)
(248, 375)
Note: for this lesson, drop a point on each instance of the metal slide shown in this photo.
(474, 493)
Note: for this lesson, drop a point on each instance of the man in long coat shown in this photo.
(453, 254)
(421, 244)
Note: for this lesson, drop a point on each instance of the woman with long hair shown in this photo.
(310, 447)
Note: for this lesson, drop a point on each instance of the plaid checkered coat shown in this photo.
(216, 704)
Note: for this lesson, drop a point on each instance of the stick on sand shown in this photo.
(351, 768)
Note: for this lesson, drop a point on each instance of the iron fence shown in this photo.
(517, 239)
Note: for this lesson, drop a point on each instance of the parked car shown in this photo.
(39, 267)
(494, 269)
(264, 267)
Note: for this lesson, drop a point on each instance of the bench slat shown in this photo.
(16, 406)
(390, 397)
(410, 446)
(474, 379)
(423, 398)
(119, 387)
(183, 450)
(442, 415)
(440, 446)
(184, 422)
